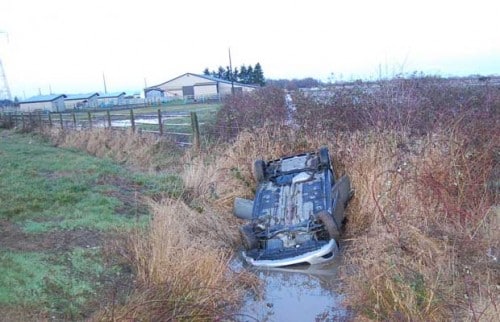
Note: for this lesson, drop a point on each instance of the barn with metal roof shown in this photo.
(50, 103)
(195, 86)
(75, 101)
(111, 99)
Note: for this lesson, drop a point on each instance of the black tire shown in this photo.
(248, 237)
(327, 220)
(324, 157)
(342, 193)
(259, 170)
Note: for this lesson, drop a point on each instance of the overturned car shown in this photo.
(298, 211)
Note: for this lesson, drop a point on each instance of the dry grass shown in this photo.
(182, 269)
(417, 248)
(420, 226)
(422, 229)
(147, 152)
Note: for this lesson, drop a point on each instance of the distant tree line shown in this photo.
(244, 74)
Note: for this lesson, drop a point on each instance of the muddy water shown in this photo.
(305, 293)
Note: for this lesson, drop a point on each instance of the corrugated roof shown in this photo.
(214, 79)
(111, 95)
(80, 96)
(43, 98)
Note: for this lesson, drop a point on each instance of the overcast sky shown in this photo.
(68, 45)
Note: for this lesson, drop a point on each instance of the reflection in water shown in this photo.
(303, 293)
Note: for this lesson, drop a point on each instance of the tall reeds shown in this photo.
(182, 269)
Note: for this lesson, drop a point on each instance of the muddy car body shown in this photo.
(298, 211)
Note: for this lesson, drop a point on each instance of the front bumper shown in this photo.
(323, 254)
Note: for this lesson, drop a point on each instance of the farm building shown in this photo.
(50, 103)
(195, 86)
(110, 99)
(76, 101)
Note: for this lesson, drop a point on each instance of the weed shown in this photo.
(182, 268)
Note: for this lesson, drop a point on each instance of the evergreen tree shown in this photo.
(249, 78)
(234, 76)
(220, 72)
(242, 76)
(245, 75)
(227, 74)
(258, 75)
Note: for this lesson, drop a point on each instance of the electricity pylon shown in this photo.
(4, 85)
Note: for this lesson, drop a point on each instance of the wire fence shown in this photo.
(183, 127)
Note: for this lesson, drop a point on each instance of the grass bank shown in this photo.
(85, 237)
(59, 209)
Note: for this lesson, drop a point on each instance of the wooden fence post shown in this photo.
(132, 120)
(74, 120)
(160, 124)
(61, 121)
(90, 120)
(50, 119)
(40, 122)
(109, 119)
(22, 120)
(196, 130)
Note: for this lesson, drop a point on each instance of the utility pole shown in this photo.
(104, 80)
(4, 85)
(231, 72)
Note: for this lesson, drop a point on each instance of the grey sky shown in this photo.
(68, 45)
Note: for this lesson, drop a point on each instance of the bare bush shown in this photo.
(415, 105)
(250, 110)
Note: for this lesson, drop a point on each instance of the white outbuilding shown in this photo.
(50, 103)
(111, 99)
(194, 86)
(76, 101)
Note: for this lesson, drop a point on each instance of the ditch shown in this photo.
(298, 293)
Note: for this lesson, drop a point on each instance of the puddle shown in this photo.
(146, 119)
(305, 293)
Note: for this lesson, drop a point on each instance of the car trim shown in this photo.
(314, 257)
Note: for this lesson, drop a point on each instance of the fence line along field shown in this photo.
(181, 123)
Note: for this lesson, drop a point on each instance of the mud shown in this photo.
(14, 239)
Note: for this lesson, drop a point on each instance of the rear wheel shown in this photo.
(248, 237)
(259, 170)
(324, 158)
(327, 220)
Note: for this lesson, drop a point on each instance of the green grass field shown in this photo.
(58, 208)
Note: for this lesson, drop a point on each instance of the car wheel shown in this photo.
(327, 220)
(324, 158)
(248, 237)
(259, 169)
